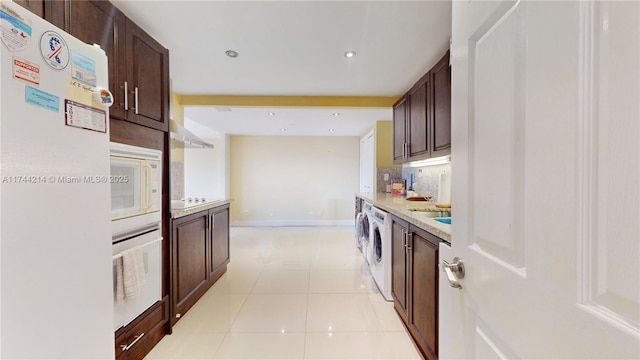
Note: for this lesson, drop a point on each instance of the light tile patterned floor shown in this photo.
(291, 293)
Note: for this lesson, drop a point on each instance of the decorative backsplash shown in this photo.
(177, 180)
(426, 178)
(394, 173)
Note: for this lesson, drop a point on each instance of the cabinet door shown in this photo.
(423, 318)
(418, 125)
(148, 79)
(219, 238)
(399, 131)
(189, 261)
(440, 116)
(99, 22)
(35, 6)
(399, 270)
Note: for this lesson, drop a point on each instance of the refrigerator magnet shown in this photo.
(103, 97)
(26, 71)
(16, 31)
(54, 50)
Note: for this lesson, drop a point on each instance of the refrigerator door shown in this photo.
(56, 276)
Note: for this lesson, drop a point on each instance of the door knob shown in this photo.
(454, 271)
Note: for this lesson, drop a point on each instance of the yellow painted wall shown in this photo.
(290, 101)
(384, 145)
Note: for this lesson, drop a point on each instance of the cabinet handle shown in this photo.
(127, 347)
(409, 241)
(211, 218)
(126, 96)
(404, 240)
(135, 99)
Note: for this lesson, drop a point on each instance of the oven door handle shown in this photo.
(142, 245)
(147, 187)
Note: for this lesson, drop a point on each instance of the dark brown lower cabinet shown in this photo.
(199, 256)
(138, 338)
(415, 283)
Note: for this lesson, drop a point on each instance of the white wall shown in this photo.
(292, 180)
(205, 172)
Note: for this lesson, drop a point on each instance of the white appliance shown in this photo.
(149, 240)
(380, 263)
(366, 238)
(136, 200)
(55, 223)
(136, 187)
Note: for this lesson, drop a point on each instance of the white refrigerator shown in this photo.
(56, 299)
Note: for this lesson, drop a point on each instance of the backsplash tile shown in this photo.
(177, 180)
(427, 184)
(394, 173)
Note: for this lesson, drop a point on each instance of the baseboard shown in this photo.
(273, 223)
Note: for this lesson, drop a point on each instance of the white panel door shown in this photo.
(368, 163)
(546, 181)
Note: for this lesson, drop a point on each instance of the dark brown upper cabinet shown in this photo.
(440, 120)
(147, 80)
(138, 64)
(418, 124)
(35, 6)
(422, 117)
(400, 131)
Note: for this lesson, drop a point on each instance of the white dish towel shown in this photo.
(130, 276)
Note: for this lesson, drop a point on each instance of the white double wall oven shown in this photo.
(136, 221)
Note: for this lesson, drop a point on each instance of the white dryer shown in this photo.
(367, 238)
(380, 263)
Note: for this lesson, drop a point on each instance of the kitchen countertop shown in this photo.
(179, 210)
(399, 206)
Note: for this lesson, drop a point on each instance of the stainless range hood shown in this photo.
(184, 138)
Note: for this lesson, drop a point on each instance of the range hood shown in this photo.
(185, 138)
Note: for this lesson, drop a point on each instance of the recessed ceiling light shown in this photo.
(349, 54)
(231, 53)
(271, 113)
(336, 114)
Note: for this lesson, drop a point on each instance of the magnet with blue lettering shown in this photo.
(54, 50)
(103, 97)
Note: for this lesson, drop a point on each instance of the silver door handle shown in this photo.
(135, 99)
(126, 96)
(454, 271)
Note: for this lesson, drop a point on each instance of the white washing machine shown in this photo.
(367, 238)
(380, 263)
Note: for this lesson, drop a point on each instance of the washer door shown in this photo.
(365, 228)
(377, 244)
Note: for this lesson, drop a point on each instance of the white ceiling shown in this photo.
(294, 48)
